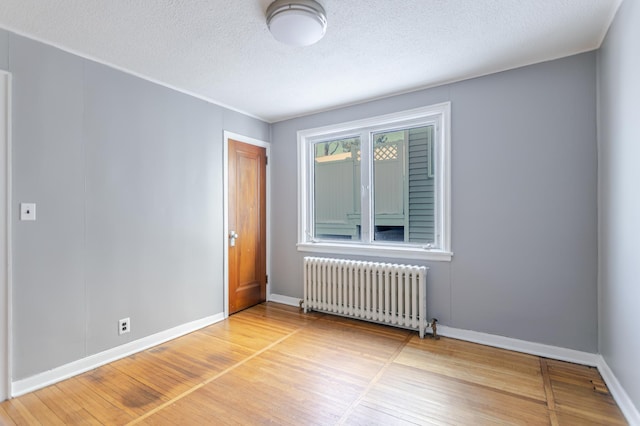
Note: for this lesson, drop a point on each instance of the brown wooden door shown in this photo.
(247, 226)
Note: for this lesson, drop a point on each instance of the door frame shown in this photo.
(251, 141)
(5, 236)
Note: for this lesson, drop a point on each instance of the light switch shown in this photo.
(27, 211)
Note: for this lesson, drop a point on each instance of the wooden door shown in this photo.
(247, 226)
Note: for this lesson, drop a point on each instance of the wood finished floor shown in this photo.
(273, 364)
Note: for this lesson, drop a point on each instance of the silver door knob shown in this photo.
(233, 235)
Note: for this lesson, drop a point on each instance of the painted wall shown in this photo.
(524, 204)
(4, 234)
(619, 175)
(4, 50)
(127, 177)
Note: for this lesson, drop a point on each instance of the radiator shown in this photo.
(378, 292)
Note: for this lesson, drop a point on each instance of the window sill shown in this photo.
(413, 253)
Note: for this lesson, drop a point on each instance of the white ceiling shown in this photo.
(221, 50)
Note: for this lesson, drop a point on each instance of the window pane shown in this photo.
(337, 189)
(404, 197)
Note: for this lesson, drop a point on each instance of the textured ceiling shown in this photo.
(221, 50)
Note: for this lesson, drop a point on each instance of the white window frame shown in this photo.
(442, 156)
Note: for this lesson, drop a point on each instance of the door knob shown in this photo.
(233, 235)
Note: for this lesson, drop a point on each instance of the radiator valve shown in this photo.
(434, 328)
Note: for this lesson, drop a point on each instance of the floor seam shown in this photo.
(548, 390)
(374, 380)
(220, 374)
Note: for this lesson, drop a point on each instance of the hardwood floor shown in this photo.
(273, 364)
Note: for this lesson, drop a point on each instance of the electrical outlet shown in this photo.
(27, 211)
(124, 326)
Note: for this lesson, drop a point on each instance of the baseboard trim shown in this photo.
(285, 300)
(629, 410)
(30, 384)
(539, 349)
(621, 397)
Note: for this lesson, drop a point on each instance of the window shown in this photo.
(378, 186)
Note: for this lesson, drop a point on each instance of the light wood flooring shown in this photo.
(273, 364)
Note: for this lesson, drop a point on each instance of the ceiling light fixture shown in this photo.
(296, 22)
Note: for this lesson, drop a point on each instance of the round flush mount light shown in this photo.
(296, 22)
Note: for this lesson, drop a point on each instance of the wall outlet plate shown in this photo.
(124, 326)
(27, 211)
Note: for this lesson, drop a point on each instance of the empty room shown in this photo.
(319, 212)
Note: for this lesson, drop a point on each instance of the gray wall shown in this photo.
(4, 49)
(619, 175)
(524, 202)
(127, 177)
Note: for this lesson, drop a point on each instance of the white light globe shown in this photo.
(296, 22)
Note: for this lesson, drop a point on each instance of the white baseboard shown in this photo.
(623, 400)
(30, 384)
(627, 407)
(539, 349)
(621, 397)
(285, 300)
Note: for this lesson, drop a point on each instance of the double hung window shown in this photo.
(378, 186)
